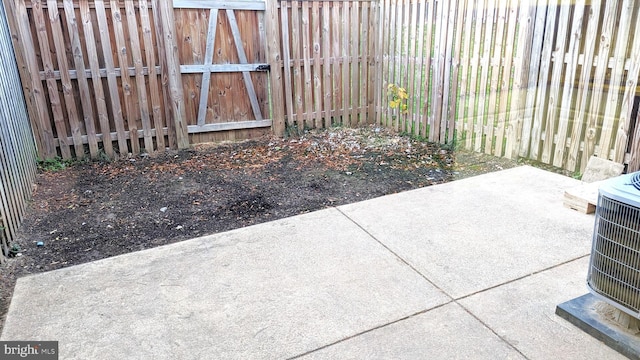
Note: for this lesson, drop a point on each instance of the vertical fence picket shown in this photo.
(485, 64)
(626, 111)
(139, 79)
(615, 79)
(506, 85)
(418, 94)
(286, 57)
(306, 54)
(336, 88)
(495, 62)
(346, 93)
(599, 75)
(573, 53)
(326, 64)
(550, 117)
(67, 86)
(583, 86)
(543, 78)
(317, 77)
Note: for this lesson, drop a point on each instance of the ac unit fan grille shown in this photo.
(615, 259)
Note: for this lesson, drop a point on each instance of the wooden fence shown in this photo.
(329, 62)
(551, 80)
(109, 77)
(17, 148)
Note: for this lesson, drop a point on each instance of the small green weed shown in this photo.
(53, 164)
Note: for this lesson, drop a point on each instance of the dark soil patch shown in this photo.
(91, 211)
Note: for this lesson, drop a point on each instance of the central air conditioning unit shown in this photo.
(614, 269)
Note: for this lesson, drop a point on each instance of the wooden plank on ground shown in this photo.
(582, 198)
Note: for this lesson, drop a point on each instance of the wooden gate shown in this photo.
(112, 77)
(222, 54)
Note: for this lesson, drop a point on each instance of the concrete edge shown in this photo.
(580, 312)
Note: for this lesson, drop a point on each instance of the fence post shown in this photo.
(172, 71)
(274, 57)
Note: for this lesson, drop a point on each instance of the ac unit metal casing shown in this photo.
(614, 268)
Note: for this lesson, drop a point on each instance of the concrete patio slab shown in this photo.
(447, 332)
(472, 234)
(523, 313)
(273, 290)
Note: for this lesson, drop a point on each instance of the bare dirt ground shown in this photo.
(93, 210)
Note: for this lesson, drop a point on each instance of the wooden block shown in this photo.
(601, 169)
(582, 198)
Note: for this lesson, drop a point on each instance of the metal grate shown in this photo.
(635, 180)
(615, 258)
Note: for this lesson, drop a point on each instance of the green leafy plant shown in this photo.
(398, 98)
(53, 164)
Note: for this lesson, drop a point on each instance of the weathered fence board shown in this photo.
(17, 148)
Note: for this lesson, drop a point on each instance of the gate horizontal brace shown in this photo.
(217, 4)
(220, 68)
(239, 125)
